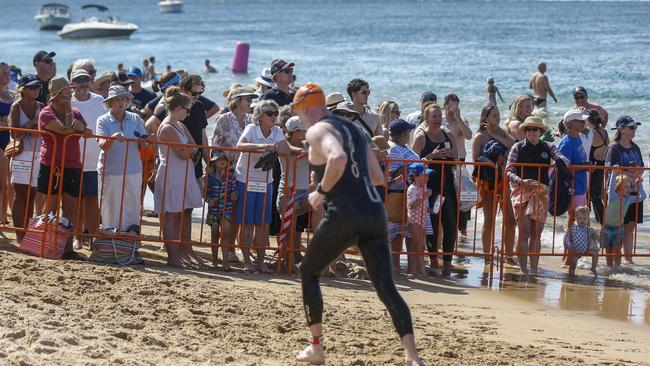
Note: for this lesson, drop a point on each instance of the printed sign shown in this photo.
(471, 196)
(259, 187)
(20, 170)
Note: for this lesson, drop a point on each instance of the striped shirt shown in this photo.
(399, 152)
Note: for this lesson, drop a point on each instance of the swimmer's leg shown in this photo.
(330, 239)
(376, 255)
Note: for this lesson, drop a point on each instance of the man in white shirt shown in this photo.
(359, 91)
(91, 106)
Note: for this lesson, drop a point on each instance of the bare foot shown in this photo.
(413, 362)
(593, 270)
(312, 354)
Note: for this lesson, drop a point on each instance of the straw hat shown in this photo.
(265, 78)
(533, 122)
(345, 107)
(103, 77)
(381, 143)
(333, 99)
(57, 85)
(240, 92)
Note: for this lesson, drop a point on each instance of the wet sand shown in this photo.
(59, 312)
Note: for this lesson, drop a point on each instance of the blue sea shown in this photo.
(401, 48)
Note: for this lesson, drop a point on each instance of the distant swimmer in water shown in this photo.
(492, 92)
(208, 68)
(541, 87)
(347, 172)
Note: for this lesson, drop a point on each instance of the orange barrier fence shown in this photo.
(176, 163)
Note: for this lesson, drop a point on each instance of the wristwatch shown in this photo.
(319, 189)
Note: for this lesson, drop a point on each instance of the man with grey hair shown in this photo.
(91, 107)
(85, 64)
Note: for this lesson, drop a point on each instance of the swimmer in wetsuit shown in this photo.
(348, 172)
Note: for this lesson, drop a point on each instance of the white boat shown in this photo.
(53, 16)
(97, 28)
(170, 6)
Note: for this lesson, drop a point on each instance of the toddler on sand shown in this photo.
(419, 223)
(581, 240)
(220, 195)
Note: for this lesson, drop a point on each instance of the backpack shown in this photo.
(491, 152)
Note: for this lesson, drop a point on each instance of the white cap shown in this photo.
(294, 124)
(575, 115)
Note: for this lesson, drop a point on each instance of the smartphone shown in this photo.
(447, 145)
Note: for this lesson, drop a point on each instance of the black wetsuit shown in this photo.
(596, 182)
(354, 215)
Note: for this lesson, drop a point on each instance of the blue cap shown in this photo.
(29, 80)
(399, 125)
(134, 71)
(625, 121)
(418, 168)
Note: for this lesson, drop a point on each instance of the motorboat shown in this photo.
(170, 6)
(94, 27)
(53, 16)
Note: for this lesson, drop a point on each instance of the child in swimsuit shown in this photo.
(580, 240)
(417, 197)
(613, 219)
(221, 195)
(492, 92)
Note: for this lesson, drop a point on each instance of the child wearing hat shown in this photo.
(221, 194)
(417, 198)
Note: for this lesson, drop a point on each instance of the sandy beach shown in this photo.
(55, 312)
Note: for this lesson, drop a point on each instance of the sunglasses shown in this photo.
(48, 61)
(288, 71)
(529, 129)
(579, 97)
(83, 79)
(631, 127)
(34, 87)
(196, 94)
(272, 113)
(364, 92)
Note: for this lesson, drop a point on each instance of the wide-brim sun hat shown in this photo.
(104, 77)
(345, 107)
(117, 91)
(240, 92)
(533, 121)
(57, 85)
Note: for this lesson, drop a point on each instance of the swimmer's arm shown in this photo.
(530, 83)
(418, 142)
(376, 175)
(326, 144)
(499, 94)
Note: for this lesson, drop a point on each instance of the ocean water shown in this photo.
(400, 47)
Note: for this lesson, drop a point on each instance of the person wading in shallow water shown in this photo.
(347, 172)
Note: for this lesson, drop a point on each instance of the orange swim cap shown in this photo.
(308, 95)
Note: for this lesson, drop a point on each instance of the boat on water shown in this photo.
(95, 27)
(53, 16)
(170, 6)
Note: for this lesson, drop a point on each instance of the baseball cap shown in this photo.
(42, 55)
(428, 96)
(399, 125)
(77, 73)
(29, 80)
(294, 124)
(575, 115)
(278, 65)
(625, 121)
(134, 71)
(579, 89)
(419, 169)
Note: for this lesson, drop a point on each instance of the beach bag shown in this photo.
(43, 239)
(14, 148)
(468, 193)
(559, 206)
(116, 251)
(395, 207)
(495, 152)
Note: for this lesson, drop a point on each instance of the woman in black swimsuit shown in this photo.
(597, 156)
(436, 144)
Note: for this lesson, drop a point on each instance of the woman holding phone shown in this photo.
(433, 143)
